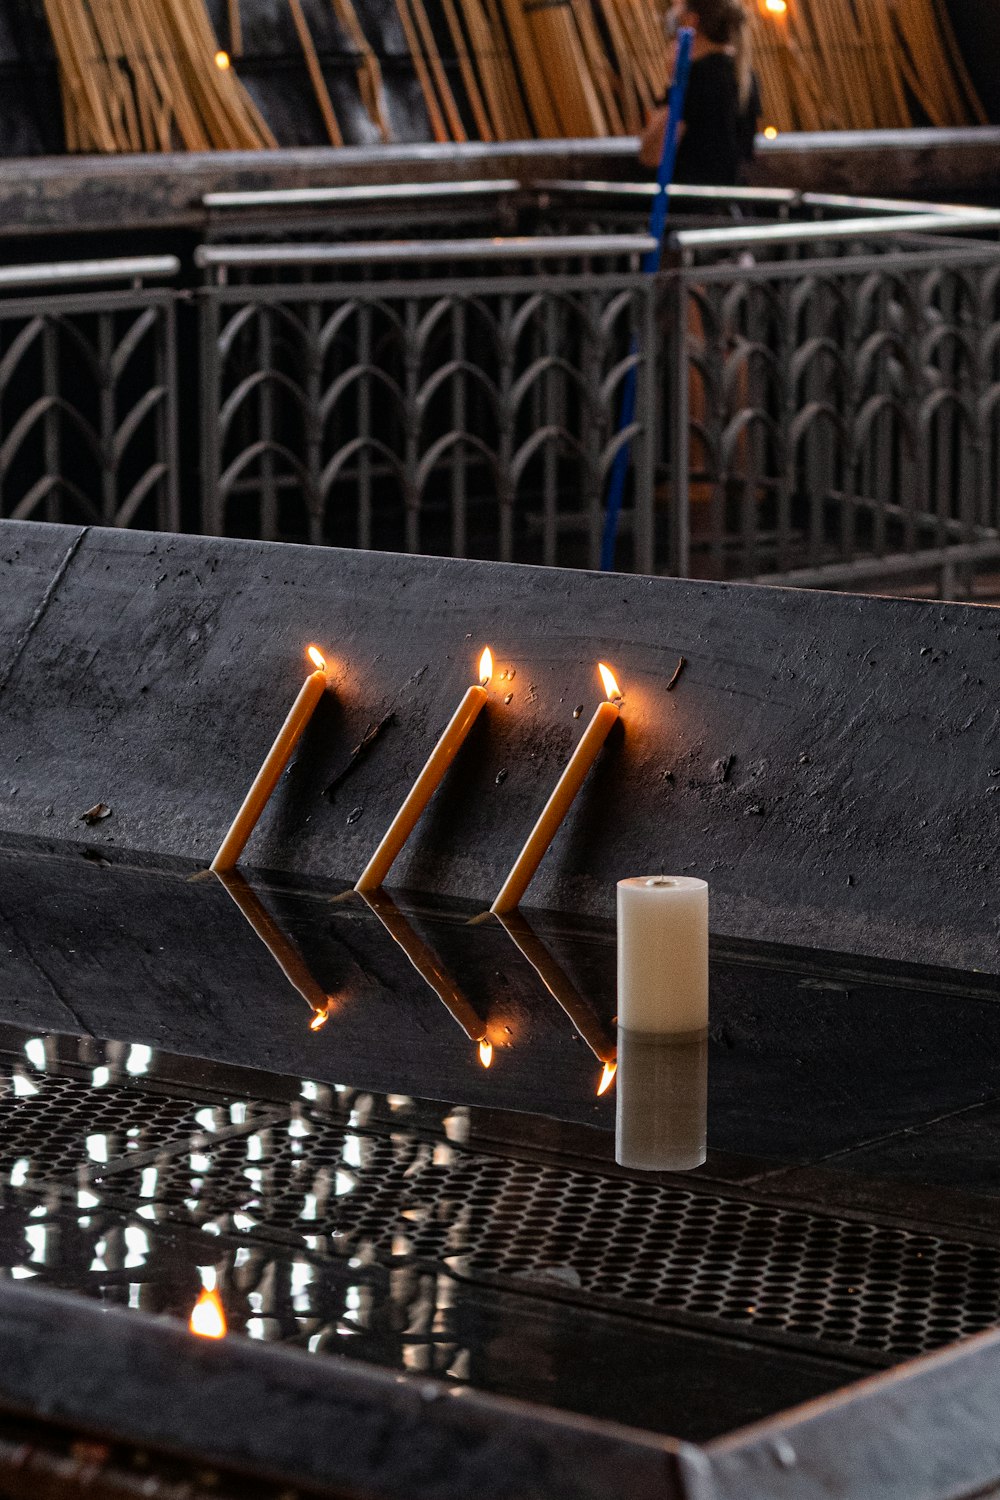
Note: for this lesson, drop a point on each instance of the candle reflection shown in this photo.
(662, 1115)
(208, 1318)
(430, 969)
(279, 945)
(563, 991)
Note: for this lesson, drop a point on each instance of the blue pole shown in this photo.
(650, 265)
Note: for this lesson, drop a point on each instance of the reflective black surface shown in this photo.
(184, 1105)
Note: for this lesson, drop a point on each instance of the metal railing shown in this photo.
(443, 396)
(88, 392)
(819, 392)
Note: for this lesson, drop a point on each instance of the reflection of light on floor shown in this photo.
(139, 1059)
(35, 1052)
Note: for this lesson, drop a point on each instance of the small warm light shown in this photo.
(319, 1020)
(607, 1078)
(611, 688)
(486, 666)
(317, 658)
(485, 1053)
(208, 1319)
(222, 61)
(776, 7)
(770, 133)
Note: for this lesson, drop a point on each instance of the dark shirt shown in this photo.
(718, 141)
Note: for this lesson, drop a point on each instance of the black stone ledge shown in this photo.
(53, 194)
(829, 763)
(337, 1426)
(45, 195)
(928, 1431)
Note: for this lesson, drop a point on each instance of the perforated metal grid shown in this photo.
(389, 1196)
(361, 1187)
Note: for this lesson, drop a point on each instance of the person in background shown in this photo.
(723, 99)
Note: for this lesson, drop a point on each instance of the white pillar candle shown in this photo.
(662, 1101)
(663, 954)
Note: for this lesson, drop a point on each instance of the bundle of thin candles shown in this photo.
(148, 75)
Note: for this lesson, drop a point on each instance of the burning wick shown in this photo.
(208, 1320)
(486, 1053)
(277, 759)
(429, 780)
(561, 800)
(222, 61)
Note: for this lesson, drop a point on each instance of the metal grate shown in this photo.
(346, 1182)
(395, 1198)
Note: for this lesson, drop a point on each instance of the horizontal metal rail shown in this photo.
(746, 236)
(844, 202)
(71, 272)
(396, 192)
(420, 252)
(594, 189)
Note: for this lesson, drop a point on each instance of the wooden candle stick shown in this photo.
(564, 992)
(429, 780)
(277, 759)
(279, 945)
(561, 800)
(431, 970)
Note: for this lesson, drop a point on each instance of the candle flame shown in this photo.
(208, 1319)
(776, 7)
(485, 1053)
(611, 688)
(486, 666)
(607, 1078)
(222, 61)
(317, 658)
(319, 1020)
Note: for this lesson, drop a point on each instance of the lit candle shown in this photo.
(661, 1120)
(663, 954)
(278, 756)
(429, 780)
(561, 800)
(564, 992)
(282, 950)
(431, 970)
(208, 1319)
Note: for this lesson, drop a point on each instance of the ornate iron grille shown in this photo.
(469, 416)
(88, 424)
(318, 1215)
(836, 416)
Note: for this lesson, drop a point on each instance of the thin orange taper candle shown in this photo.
(431, 970)
(561, 800)
(278, 756)
(429, 780)
(279, 945)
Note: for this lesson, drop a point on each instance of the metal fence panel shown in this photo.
(88, 390)
(841, 414)
(472, 414)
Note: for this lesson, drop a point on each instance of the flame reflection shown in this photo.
(486, 666)
(317, 658)
(611, 688)
(208, 1320)
(607, 1078)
